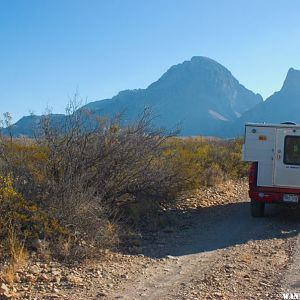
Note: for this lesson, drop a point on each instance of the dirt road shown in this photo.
(225, 254)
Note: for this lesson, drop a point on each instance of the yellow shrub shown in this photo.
(23, 214)
(28, 156)
(202, 161)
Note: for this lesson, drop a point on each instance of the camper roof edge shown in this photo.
(273, 125)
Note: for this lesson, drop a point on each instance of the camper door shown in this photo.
(287, 158)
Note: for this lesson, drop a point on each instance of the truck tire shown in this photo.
(257, 209)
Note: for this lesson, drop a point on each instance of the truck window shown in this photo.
(292, 150)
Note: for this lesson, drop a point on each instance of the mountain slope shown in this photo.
(199, 95)
(29, 125)
(280, 107)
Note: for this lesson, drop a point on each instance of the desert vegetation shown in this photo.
(205, 161)
(70, 191)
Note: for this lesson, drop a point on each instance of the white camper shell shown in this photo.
(276, 149)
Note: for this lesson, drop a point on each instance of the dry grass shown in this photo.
(18, 256)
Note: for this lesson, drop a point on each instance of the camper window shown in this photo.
(292, 150)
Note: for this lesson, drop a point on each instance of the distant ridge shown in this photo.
(200, 94)
(282, 106)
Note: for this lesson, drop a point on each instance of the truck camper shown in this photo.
(274, 153)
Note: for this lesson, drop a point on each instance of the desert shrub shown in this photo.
(82, 179)
(23, 216)
(228, 154)
(205, 161)
(78, 180)
(25, 161)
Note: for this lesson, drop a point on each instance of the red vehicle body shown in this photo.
(267, 194)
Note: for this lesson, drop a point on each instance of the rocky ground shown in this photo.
(213, 249)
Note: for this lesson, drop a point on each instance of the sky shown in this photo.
(51, 49)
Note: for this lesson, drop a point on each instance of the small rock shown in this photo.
(218, 294)
(264, 283)
(74, 279)
(35, 270)
(30, 278)
(17, 278)
(55, 272)
(102, 294)
(57, 279)
(37, 244)
(171, 257)
(43, 277)
(4, 289)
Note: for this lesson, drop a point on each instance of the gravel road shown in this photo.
(226, 254)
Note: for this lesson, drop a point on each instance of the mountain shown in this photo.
(29, 125)
(282, 106)
(199, 95)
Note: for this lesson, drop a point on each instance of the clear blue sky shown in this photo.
(50, 48)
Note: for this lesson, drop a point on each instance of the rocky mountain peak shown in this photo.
(292, 81)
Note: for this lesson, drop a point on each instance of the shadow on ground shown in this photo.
(217, 227)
